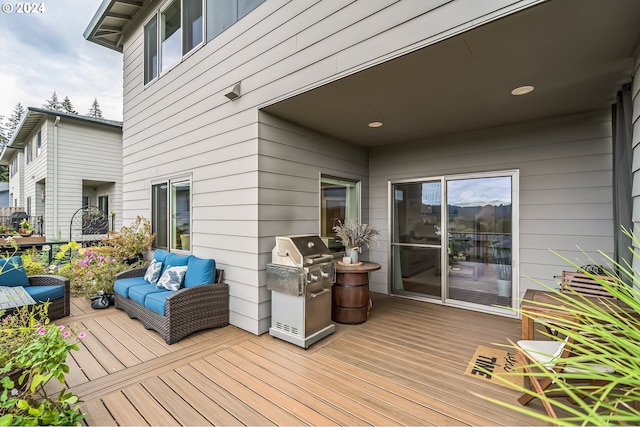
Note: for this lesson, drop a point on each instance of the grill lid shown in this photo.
(300, 250)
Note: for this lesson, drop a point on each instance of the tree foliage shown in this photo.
(53, 104)
(14, 120)
(95, 110)
(67, 106)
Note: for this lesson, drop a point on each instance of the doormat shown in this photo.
(488, 363)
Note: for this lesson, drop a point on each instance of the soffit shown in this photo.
(577, 54)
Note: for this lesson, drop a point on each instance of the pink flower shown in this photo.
(66, 334)
(42, 331)
(61, 327)
(82, 335)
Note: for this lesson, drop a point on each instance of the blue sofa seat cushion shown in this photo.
(122, 286)
(156, 301)
(200, 272)
(139, 293)
(45, 293)
(13, 272)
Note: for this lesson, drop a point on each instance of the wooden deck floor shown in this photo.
(404, 366)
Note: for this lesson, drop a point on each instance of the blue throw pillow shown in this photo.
(172, 277)
(153, 271)
(13, 272)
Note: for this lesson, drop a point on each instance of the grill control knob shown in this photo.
(313, 277)
(310, 245)
(324, 274)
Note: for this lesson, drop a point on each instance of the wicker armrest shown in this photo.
(134, 272)
(189, 300)
(49, 280)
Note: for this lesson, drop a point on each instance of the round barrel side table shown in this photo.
(350, 302)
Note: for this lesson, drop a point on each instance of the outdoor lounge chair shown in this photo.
(547, 353)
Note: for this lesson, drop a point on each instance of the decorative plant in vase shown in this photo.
(354, 236)
(26, 229)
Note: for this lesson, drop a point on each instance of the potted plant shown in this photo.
(501, 253)
(354, 236)
(26, 229)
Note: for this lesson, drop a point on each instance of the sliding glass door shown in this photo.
(470, 239)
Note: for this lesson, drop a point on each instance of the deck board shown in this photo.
(403, 366)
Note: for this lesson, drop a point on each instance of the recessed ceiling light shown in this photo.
(522, 90)
(375, 124)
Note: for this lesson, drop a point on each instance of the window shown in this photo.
(339, 201)
(170, 51)
(193, 28)
(86, 201)
(223, 14)
(171, 214)
(14, 166)
(38, 143)
(28, 207)
(179, 27)
(151, 50)
(103, 204)
(28, 150)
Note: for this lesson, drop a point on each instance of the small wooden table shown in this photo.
(350, 294)
(13, 297)
(548, 297)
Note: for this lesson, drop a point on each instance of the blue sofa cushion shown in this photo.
(45, 293)
(122, 286)
(13, 272)
(139, 293)
(160, 255)
(175, 260)
(156, 301)
(173, 277)
(200, 272)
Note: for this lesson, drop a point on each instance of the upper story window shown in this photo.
(38, 143)
(13, 168)
(29, 152)
(179, 27)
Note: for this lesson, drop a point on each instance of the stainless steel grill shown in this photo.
(300, 276)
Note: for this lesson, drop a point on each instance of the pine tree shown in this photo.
(95, 110)
(53, 104)
(14, 120)
(3, 132)
(67, 106)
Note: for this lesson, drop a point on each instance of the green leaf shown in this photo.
(6, 420)
(22, 404)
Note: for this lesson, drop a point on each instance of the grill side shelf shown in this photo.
(285, 279)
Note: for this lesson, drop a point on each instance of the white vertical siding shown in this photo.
(85, 152)
(565, 195)
(254, 178)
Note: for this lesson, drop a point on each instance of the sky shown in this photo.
(46, 51)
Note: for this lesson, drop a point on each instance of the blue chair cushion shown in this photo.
(160, 255)
(122, 286)
(175, 260)
(13, 272)
(200, 272)
(138, 293)
(45, 293)
(156, 302)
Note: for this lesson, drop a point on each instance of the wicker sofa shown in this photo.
(201, 302)
(42, 288)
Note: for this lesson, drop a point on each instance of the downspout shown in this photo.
(55, 175)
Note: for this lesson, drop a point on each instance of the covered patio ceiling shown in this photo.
(576, 53)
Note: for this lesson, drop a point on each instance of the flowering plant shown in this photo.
(95, 270)
(32, 352)
(354, 234)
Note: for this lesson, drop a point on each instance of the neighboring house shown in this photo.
(246, 120)
(59, 163)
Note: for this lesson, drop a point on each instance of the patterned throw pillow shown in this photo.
(172, 278)
(153, 271)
